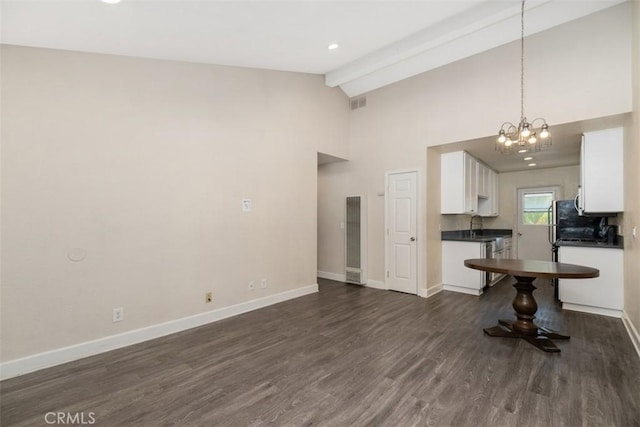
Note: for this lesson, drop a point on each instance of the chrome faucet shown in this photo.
(472, 234)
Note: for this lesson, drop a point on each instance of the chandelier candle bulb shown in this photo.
(545, 131)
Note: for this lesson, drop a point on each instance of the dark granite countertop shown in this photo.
(479, 236)
(483, 236)
(619, 244)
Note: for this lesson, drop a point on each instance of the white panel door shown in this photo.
(533, 222)
(402, 227)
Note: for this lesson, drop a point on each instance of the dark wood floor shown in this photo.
(352, 356)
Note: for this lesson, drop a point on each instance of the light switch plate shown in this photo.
(246, 205)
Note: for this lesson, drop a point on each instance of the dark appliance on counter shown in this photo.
(569, 226)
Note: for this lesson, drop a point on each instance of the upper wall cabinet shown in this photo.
(470, 184)
(488, 206)
(484, 181)
(457, 180)
(601, 172)
(467, 186)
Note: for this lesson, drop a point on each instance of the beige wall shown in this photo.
(434, 222)
(142, 164)
(466, 100)
(632, 189)
(567, 178)
(331, 213)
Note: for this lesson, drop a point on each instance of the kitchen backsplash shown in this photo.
(461, 222)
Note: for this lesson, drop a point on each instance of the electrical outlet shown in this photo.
(208, 297)
(252, 285)
(263, 284)
(118, 314)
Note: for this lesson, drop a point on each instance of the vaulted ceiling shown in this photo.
(380, 41)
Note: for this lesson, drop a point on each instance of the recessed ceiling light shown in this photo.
(528, 158)
(531, 164)
(332, 46)
(522, 151)
(110, 1)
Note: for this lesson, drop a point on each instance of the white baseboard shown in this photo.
(593, 310)
(463, 290)
(377, 284)
(423, 292)
(632, 331)
(343, 278)
(14, 368)
(332, 276)
(433, 290)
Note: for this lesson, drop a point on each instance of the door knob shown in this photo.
(519, 234)
(413, 239)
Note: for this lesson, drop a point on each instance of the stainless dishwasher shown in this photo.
(497, 250)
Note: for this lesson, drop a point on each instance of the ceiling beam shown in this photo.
(486, 26)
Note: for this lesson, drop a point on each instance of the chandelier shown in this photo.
(525, 137)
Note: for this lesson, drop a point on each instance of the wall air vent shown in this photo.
(358, 102)
(356, 232)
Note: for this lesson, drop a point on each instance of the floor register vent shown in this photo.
(356, 233)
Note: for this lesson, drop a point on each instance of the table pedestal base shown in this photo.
(523, 327)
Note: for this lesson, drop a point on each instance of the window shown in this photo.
(535, 208)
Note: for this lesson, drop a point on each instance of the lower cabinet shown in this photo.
(601, 295)
(455, 276)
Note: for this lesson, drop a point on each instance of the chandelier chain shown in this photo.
(522, 62)
(523, 137)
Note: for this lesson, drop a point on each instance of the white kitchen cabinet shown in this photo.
(458, 193)
(488, 206)
(495, 194)
(467, 186)
(600, 295)
(484, 185)
(601, 173)
(470, 184)
(455, 276)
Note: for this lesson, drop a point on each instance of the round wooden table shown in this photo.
(525, 306)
